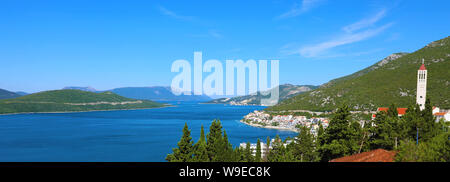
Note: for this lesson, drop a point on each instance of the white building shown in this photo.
(441, 114)
(421, 86)
(253, 147)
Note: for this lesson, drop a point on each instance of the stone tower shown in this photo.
(421, 86)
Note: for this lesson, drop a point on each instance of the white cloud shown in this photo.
(297, 9)
(315, 50)
(355, 32)
(364, 23)
(172, 14)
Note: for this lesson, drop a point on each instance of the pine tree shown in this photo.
(384, 134)
(214, 141)
(341, 137)
(184, 151)
(225, 153)
(200, 152)
(258, 151)
(267, 148)
(304, 148)
(248, 153)
(276, 154)
(429, 126)
(320, 131)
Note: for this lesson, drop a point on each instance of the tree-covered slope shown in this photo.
(285, 91)
(392, 80)
(71, 100)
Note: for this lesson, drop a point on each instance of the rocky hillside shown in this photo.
(286, 91)
(391, 80)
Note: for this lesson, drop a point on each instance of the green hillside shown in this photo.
(71, 100)
(391, 80)
(285, 91)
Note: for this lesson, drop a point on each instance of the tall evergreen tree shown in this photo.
(429, 126)
(214, 141)
(304, 147)
(200, 152)
(267, 148)
(248, 153)
(258, 151)
(184, 151)
(276, 154)
(225, 152)
(341, 137)
(320, 131)
(384, 133)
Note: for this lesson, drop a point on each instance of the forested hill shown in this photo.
(391, 80)
(71, 100)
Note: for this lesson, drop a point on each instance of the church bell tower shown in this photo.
(421, 86)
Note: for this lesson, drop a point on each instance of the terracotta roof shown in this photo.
(378, 155)
(382, 109)
(400, 111)
(422, 67)
(440, 114)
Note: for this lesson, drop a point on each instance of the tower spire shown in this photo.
(421, 85)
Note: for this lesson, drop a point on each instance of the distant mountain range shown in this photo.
(285, 91)
(391, 80)
(22, 93)
(70, 100)
(156, 93)
(5, 94)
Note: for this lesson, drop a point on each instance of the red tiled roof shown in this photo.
(439, 113)
(378, 155)
(400, 111)
(422, 67)
(383, 109)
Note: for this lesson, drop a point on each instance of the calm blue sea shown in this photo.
(133, 135)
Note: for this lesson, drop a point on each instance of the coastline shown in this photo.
(232, 104)
(55, 112)
(269, 127)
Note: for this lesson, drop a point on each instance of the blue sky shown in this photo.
(47, 45)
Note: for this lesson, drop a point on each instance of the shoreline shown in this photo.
(61, 112)
(234, 104)
(269, 127)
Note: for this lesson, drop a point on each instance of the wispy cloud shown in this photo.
(172, 14)
(299, 9)
(355, 32)
(364, 23)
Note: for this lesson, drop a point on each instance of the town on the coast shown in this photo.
(294, 122)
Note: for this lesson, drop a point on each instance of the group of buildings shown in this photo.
(292, 122)
(288, 122)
